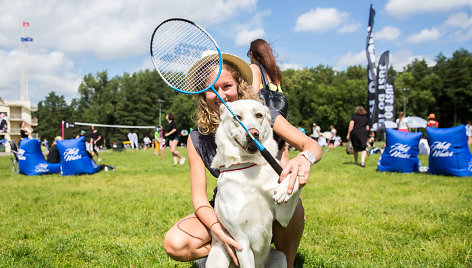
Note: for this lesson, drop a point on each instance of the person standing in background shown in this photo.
(468, 131)
(82, 133)
(357, 133)
(332, 140)
(316, 130)
(95, 140)
(173, 136)
(25, 131)
(53, 154)
(402, 123)
(261, 57)
(432, 121)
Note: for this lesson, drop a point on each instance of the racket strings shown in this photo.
(177, 51)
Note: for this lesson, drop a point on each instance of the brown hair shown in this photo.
(360, 110)
(171, 116)
(207, 119)
(262, 52)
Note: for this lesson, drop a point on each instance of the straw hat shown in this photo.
(210, 55)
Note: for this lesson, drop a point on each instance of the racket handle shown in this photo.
(273, 163)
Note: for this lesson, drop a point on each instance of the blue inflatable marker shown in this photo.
(449, 153)
(31, 160)
(74, 157)
(401, 152)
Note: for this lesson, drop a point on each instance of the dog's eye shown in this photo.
(259, 115)
(238, 117)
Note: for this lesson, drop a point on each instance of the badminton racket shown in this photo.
(179, 51)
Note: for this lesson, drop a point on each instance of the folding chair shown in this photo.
(14, 157)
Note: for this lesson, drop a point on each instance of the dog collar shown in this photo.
(236, 167)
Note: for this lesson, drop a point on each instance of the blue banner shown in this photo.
(26, 39)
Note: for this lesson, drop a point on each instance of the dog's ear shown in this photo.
(227, 152)
(268, 138)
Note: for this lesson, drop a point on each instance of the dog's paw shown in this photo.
(280, 194)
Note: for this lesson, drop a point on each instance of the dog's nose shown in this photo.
(254, 132)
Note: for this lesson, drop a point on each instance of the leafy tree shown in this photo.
(51, 111)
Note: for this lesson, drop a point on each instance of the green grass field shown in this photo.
(356, 217)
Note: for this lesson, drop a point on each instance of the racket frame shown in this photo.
(266, 154)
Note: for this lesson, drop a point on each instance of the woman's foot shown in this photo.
(362, 164)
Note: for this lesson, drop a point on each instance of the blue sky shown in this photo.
(75, 38)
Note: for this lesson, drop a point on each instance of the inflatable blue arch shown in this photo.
(401, 152)
(31, 160)
(449, 153)
(74, 157)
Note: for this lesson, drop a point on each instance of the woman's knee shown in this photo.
(176, 246)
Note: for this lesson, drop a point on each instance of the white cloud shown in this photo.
(404, 8)
(461, 20)
(286, 66)
(461, 36)
(320, 20)
(388, 33)
(349, 28)
(398, 59)
(245, 37)
(46, 72)
(425, 35)
(107, 29)
(351, 59)
(402, 58)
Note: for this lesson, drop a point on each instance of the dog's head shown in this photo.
(234, 145)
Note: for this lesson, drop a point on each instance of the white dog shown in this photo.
(249, 196)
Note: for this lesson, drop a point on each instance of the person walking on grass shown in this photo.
(357, 133)
(173, 137)
(332, 140)
(95, 140)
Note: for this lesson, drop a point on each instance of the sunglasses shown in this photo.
(248, 53)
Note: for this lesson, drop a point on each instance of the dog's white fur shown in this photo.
(248, 200)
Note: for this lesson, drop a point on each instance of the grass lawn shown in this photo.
(356, 217)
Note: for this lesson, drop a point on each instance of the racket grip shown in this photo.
(273, 163)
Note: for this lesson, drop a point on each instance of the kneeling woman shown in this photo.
(190, 238)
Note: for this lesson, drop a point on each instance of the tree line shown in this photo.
(320, 94)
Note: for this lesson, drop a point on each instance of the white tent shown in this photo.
(416, 122)
(388, 124)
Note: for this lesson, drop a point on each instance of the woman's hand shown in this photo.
(298, 166)
(228, 240)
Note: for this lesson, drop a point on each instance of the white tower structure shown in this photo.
(24, 96)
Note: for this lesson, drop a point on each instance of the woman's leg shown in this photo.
(173, 149)
(187, 240)
(363, 156)
(355, 156)
(287, 239)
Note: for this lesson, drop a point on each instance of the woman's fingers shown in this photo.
(232, 253)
